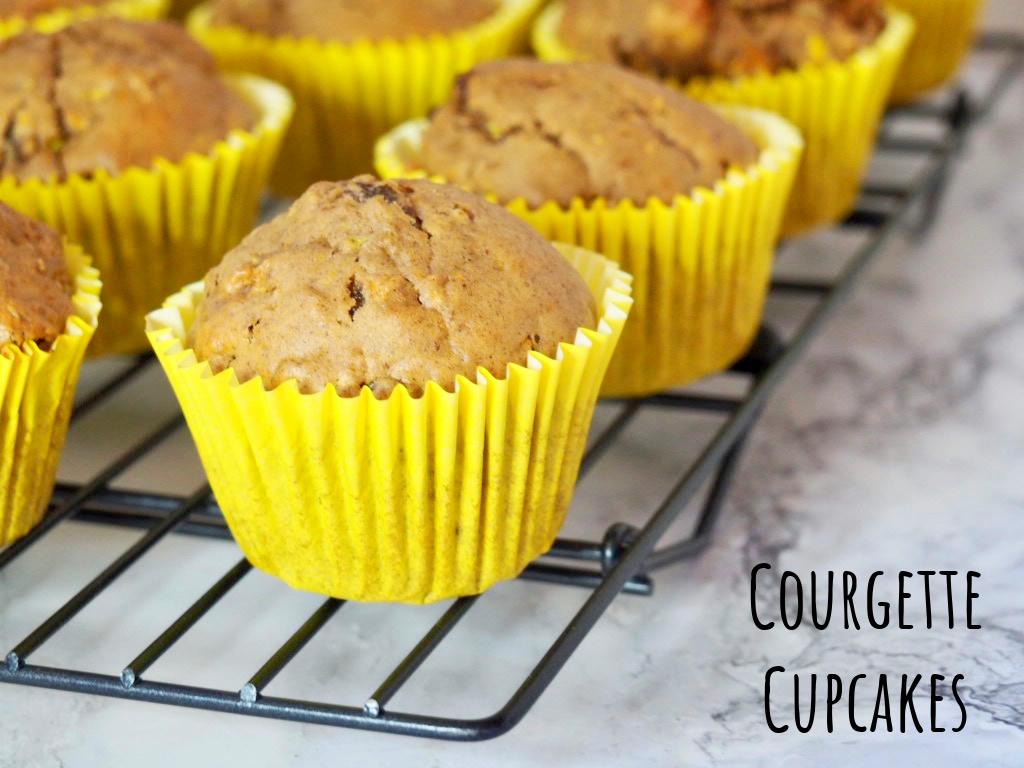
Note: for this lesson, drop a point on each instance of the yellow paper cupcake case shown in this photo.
(404, 499)
(945, 32)
(140, 10)
(36, 392)
(152, 230)
(837, 107)
(700, 264)
(349, 94)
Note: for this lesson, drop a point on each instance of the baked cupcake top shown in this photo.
(540, 131)
(35, 284)
(109, 94)
(380, 283)
(28, 8)
(346, 21)
(727, 38)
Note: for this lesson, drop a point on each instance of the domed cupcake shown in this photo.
(48, 309)
(685, 198)
(390, 387)
(50, 15)
(356, 67)
(123, 136)
(827, 66)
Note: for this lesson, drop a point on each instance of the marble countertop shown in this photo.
(896, 445)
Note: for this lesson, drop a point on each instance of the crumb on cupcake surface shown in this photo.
(386, 283)
(727, 38)
(346, 21)
(109, 94)
(35, 284)
(542, 131)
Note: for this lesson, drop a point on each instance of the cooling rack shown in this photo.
(927, 138)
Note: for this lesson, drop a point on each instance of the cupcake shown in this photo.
(356, 67)
(945, 32)
(51, 15)
(390, 387)
(49, 302)
(123, 136)
(825, 65)
(685, 198)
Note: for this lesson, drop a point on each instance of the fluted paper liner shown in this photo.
(139, 10)
(836, 106)
(152, 230)
(945, 33)
(37, 389)
(349, 94)
(700, 264)
(404, 499)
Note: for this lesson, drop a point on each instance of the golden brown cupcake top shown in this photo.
(346, 21)
(28, 8)
(380, 283)
(524, 128)
(109, 94)
(727, 38)
(35, 285)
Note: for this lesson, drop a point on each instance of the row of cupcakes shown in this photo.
(349, 90)
(461, 488)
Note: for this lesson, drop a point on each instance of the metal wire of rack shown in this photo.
(620, 560)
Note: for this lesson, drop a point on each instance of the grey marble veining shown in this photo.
(897, 444)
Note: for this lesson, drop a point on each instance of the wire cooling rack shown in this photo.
(925, 138)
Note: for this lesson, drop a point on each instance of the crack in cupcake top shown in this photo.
(386, 283)
(543, 132)
(109, 94)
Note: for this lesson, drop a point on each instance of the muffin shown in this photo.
(825, 65)
(685, 198)
(391, 385)
(48, 309)
(350, 20)
(109, 95)
(123, 135)
(719, 38)
(51, 15)
(543, 132)
(400, 284)
(945, 33)
(356, 67)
